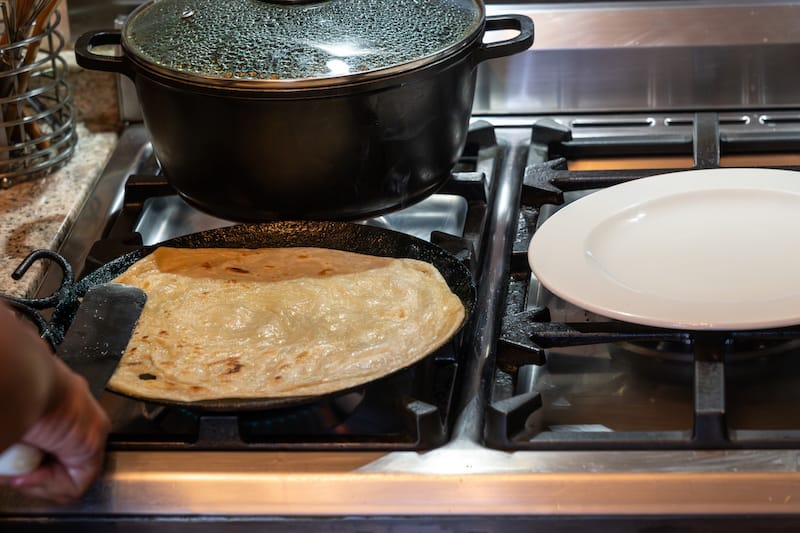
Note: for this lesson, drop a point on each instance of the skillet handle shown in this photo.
(519, 43)
(86, 58)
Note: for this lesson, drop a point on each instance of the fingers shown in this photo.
(55, 481)
(50, 481)
(73, 434)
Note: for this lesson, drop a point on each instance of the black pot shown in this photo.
(340, 148)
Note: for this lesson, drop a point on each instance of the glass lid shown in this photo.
(287, 40)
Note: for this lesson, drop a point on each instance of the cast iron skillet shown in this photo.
(336, 235)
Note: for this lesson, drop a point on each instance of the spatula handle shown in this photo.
(19, 459)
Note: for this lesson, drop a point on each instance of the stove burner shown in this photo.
(672, 361)
(318, 417)
(567, 380)
(219, 429)
(364, 419)
(412, 410)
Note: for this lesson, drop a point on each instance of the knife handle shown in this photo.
(19, 459)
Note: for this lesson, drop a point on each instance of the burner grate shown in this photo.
(412, 410)
(355, 420)
(561, 381)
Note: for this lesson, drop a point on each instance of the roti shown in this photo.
(224, 323)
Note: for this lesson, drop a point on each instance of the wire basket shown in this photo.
(37, 130)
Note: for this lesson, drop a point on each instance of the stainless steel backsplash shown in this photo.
(597, 57)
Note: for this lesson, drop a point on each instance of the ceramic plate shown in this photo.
(698, 249)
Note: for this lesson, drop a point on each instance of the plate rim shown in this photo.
(549, 249)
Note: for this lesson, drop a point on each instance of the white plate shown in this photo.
(698, 249)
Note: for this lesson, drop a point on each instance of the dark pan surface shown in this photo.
(334, 235)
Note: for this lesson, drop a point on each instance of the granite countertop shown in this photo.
(38, 214)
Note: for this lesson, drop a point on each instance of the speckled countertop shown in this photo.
(39, 213)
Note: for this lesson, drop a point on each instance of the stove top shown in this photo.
(412, 410)
(518, 409)
(540, 428)
(569, 379)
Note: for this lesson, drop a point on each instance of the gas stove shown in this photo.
(544, 415)
(409, 411)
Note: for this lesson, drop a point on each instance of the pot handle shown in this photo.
(88, 59)
(519, 43)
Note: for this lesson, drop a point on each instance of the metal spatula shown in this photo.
(92, 347)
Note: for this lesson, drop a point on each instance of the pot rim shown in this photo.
(304, 88)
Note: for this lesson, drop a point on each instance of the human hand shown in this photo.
(68, 424)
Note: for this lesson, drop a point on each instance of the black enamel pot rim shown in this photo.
(472, 48)
(356, 85)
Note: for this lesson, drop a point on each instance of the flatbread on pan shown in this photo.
(278, 322)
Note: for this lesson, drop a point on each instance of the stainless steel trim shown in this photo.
(642, 24)
(455, 480)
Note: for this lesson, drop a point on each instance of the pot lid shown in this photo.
(311, 42)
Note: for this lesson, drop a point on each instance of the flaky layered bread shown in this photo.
(278, 322)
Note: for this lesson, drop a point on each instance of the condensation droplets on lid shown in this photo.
(268, 41)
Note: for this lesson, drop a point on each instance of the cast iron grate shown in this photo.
(411, 410)
(529, 334)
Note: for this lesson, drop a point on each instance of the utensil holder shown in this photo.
(37, 129)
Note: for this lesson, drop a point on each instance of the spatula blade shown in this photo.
(99, 334)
